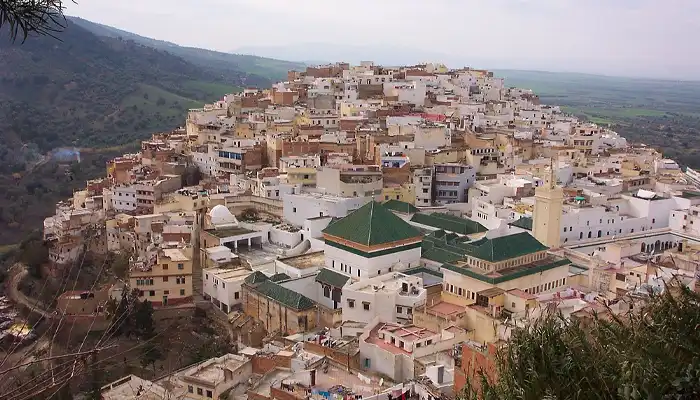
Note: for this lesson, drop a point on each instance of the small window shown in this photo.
(223, 285)
(294, 209)
(200, 391)
(165, 279)
(351, 303)
(182, 292)
(190, 389)
(365, 305)
(236, 295)
(181, 266)
(210, 394)
(151, 293)
(399, 309)
(165, 266)
(166, 292)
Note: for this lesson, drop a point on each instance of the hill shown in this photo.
(89, 92)
(261, 67)
(659, 113)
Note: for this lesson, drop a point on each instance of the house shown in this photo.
(278, 308)
(223, 287)
(391, 297)
(164, 276)
(390, 349)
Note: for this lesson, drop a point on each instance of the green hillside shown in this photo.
(88, 92)
(259, 69)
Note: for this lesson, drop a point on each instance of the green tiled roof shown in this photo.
(280, 277)
(506, 247)
(332, 278)
(284, 296)
(401, 206)
(450, 223)
(444, 247)
(255, 278)
(372, 224)
(523, 222)
(508, 275)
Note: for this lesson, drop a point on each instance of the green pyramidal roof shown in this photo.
(370, 225)
(400, 206)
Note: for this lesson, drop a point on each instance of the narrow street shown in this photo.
(17, 273)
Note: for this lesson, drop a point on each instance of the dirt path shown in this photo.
(17, 273)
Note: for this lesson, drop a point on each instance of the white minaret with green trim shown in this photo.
(549, 203)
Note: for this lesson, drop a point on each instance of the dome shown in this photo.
(220, 215)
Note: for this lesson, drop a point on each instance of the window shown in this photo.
(182, 292)
(200, 391)
(399, 309)
(236, 295)
(181, 266)
(165, 279)
(210, 394)
(140, 293)
(365, 305)
(190, 389)
(351, 303)
(429, 342)
(165, 266)
(358, 272)
(166, 292)
(151, 293)
(223, 285)
(326, 291)
(294, 209)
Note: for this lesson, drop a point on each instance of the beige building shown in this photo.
(549, 204)
(164, 277)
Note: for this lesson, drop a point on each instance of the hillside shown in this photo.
(659, 113)
(260, 67)
(89, 92)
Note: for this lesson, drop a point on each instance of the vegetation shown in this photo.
(257, 69)
(23, 18)
(101, 95)
(651, 353)
(659, 113)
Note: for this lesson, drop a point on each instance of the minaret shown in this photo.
(549, 203)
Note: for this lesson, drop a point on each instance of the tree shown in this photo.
(651, 353)
(143, 320)
(26, 17)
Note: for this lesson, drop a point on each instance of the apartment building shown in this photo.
(164, 276)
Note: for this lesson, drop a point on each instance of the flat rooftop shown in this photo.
(213, 370)
(446, 310)
(304, 261)
(392, 282)
(228, 232)
(229, 275)
(175, 255)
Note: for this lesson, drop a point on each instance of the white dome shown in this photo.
(220, 215)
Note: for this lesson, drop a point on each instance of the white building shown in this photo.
(223, 286)
(371, 241)
(391, 349)
(299, 207)
(390, 297)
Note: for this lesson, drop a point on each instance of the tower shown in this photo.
(549, 200)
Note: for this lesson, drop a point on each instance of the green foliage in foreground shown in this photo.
(653, 353)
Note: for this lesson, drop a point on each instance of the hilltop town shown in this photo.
(373, 231)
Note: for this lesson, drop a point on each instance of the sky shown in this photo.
(636, 38)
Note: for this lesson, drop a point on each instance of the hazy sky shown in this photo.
(653, 38)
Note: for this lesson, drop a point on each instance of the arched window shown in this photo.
(600, 233)
(589, 235)
(644, 247)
